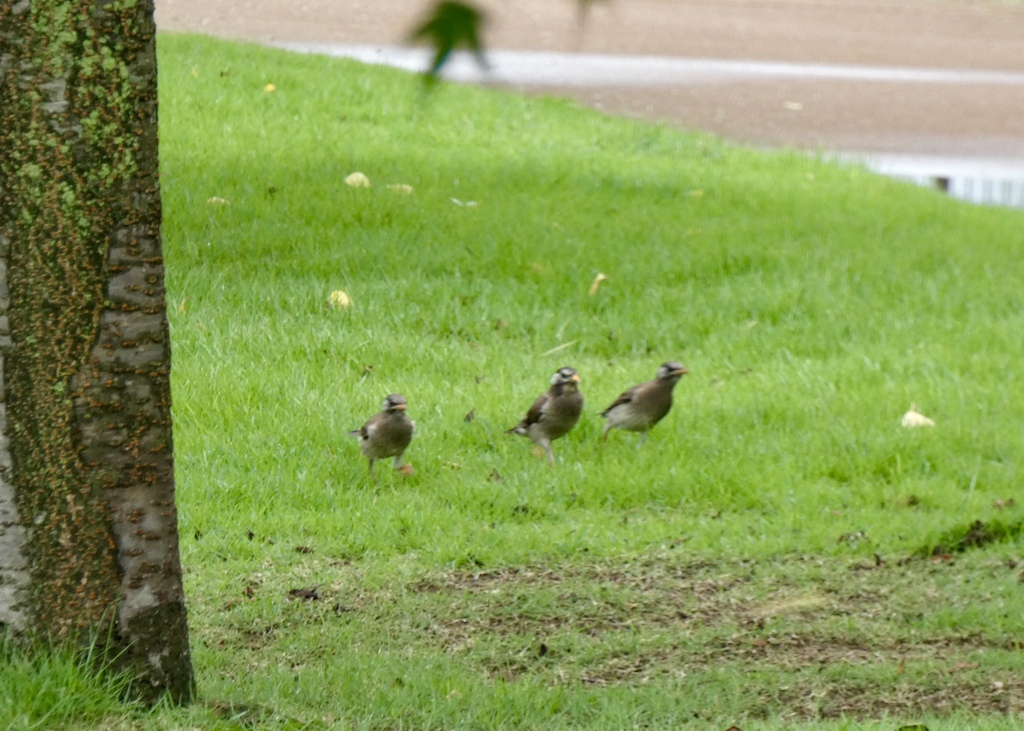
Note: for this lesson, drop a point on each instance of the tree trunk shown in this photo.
(88, 528)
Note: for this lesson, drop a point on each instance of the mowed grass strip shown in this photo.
(765, 559)
(812, 303)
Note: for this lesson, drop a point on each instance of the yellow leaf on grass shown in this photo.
(357, 180)
(339, 300)
(912, 418)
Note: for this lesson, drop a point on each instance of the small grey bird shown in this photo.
(388, 433)
(554, 412)
(644, 405)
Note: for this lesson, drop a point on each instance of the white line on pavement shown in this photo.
(542, 68)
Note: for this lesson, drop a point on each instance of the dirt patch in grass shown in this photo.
(813, 638)
(900, 700)
(652, 595)
(594, 597)
(798, 638)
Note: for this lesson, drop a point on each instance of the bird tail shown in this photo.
(356, 433)
(519, 429)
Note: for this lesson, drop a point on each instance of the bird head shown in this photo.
(565, 377)
(671, 371)
(394, 403)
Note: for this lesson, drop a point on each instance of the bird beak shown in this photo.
(680, 372)
(575, 378)
(400, 407)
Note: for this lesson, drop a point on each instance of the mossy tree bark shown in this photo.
(88, 528)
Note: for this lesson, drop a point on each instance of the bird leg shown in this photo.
(641, 439)
(604, 434)
(373, 475)
(547, 448)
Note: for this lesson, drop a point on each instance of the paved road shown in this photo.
(927, 80)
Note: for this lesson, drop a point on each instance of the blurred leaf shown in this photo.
(449, 26)
(912, 419)
(338, 300)
(357, 180)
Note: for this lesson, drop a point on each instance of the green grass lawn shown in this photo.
(766, 559)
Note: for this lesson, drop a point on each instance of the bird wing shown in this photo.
(366, 430)
(624, 398)
(537, 411)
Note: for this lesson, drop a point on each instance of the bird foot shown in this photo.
(406, 470)
(539, 453)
